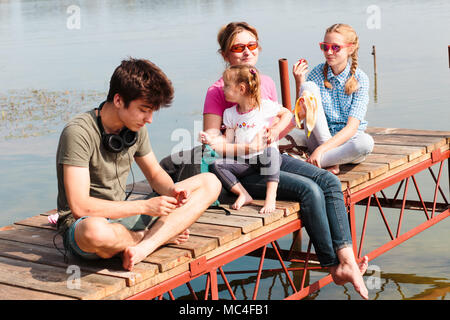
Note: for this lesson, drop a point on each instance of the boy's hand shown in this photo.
(181, 195)
(160, 206)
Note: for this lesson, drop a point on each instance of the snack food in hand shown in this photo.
(300, 61)
(310, 103)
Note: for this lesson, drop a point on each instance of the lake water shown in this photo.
(55, 63)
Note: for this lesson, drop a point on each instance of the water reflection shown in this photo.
(275, 286)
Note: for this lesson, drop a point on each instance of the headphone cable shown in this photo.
(132, 174)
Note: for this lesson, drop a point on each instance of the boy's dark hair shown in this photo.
(141, 79)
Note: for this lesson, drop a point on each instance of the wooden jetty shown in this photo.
(31, 267)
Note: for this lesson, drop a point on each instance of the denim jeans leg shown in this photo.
(295, 187)
(336, 212)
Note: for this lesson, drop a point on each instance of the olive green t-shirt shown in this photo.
(80, 145)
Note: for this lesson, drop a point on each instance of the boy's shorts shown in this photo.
(133, 223)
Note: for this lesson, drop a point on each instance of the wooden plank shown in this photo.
(17, 293)
(50, 212)
(431, 143)
(391, 172)
(354, 178)
(411, 151)
(160, 277)
(289, 207)
(40, 221)
(25, 234)
(197, 245)
(392, 160)
(55, 280)
(411, 132)
(52, 257)
(246, 224)
(252, 235)
(373, 169)
(167, 258)
(223, 234)
(253, 211)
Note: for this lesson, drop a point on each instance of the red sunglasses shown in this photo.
(335, 47)
(240, 47)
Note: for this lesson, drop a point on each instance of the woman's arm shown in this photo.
(281, 127)
(218, 142)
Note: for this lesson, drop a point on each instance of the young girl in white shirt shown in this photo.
(248, 120)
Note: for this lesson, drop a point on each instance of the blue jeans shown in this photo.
(322, 205)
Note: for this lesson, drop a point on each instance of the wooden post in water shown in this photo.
(374, 53)
(449, 56)
(286, 99)
(284, 80)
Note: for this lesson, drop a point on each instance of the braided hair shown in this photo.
(349, 33)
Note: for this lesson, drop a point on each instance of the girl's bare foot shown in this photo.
(269, 206)
(334, 169)
(242, 200)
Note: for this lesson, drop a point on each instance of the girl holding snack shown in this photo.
(342, 92)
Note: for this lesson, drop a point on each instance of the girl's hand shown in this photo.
(259, 142)
(160, 206)
(299, 71)
(272, 135)
(206, 138)
(316, 157)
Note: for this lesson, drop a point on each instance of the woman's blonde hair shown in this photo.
(351, 37)
(228, 32)
(249, 76)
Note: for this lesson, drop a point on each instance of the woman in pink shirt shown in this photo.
(323, 210)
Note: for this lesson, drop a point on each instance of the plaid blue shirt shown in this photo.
(337, 105)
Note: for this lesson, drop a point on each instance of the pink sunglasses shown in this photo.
(335, 47)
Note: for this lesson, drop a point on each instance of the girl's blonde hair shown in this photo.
(249, 76)
(350, 36)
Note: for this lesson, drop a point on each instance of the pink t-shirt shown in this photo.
(215, 102)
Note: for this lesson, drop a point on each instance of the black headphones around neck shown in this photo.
(116, 142)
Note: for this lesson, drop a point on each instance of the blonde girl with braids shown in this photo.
(249, 116)
(342, 91)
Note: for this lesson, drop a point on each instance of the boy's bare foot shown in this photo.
(135, 254)
(242, 200)
(179, 239)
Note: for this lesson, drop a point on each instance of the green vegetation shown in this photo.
(28, 113)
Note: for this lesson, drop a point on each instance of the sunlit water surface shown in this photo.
(49, 73)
